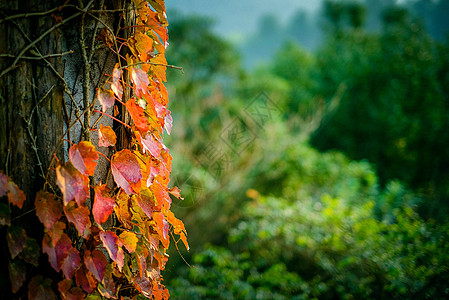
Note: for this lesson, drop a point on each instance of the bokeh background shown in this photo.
(310, 142)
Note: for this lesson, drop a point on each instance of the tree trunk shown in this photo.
(38, 93)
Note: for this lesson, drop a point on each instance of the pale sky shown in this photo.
(241, 16)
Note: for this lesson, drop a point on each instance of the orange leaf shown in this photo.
(106, 98)
(15, 195)
(126, 171)
(72, 183)
(162, 224)
(129, 240)
(144, 46)
(137, 114)
(159, 70)
(83, 157)
(175, 191)
(103, 204)
(122, 209)
(106, 136)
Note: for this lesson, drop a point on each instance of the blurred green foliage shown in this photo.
(269, 216)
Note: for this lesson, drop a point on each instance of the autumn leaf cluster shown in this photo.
(109, 238)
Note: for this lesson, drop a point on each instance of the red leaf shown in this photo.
(85, 279)
(83, 157)
(16, 238)
(39, 288)
(106, 136)
(110, 241)
(72, 183)
(71, 263)
(64, 286)
(126, 171)
(137, 114)
(17, 274)
(103, 204)
(115, 85)
(79, 216)
(96, 263)
(168, 121)
(140, 80)
(59, 252)
(48, 209)
(15, 195)
(3, 182)
(106, 98)
(162, 224)
(149, 144)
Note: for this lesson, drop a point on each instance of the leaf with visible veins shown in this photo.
(96, 263)
(71, 263)
(149, 144)
(72, 183)
(48, 209)
(126, 171)
(106, 136)
(59, 252)
(111, 242)
(140, 80)
(85, 279)
(83, 157)
(103, 204)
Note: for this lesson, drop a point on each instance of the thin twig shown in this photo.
(153, 63)
(26, 15)
(25, 49)
(37, 57)
(13, 66)
(114, 118)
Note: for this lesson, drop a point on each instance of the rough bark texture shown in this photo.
(21, 89)
(33, 100)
